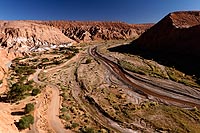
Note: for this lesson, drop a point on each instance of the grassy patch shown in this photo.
(155, 71)
(172, 119)
(130, 67)
(180, 77)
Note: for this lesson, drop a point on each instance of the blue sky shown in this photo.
(131, 11)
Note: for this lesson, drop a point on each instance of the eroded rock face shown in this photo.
(25, 34)
(177, 33)
(90, 31)
(22, 35)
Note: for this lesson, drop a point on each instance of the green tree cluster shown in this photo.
(25, 122)
(28, 108)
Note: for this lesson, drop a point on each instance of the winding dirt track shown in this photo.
(53, 108)
(169, 93)
(53, 111)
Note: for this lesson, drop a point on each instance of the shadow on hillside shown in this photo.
(187, 64)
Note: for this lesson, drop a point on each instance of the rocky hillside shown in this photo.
(173, 41)
(24, 35)
(177, 33)
(90, 31)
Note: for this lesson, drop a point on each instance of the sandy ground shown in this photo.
(7, 124)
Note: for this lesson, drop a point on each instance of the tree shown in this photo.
(25, 122)
(28, 108)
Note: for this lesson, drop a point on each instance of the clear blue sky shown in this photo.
(131, 11)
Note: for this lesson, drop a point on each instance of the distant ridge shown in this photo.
(84, 31)
(177, 33)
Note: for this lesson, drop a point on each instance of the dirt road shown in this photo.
(54, 105)
(53, 111)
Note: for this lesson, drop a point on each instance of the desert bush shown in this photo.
(26, 70)
(25, 122)
(87, 130)
(45, 60)
(65, 117)
(35, 92)
(28, 108)
(74, 125)
(88, 61)
(18, 91)
(64, 109)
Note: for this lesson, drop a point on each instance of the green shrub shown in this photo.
(64, 109)
(87, 130)
(26, 70)
(18, 91)
(65, 117)
(35, 92)
(45, 60)
(74, 125)
(28, 108)
(88, 61)
(25, 122)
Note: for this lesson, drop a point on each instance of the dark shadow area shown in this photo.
(187, 64)
(3, 98)
(18, 113)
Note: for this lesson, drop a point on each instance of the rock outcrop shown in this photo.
(177, 33)
(91, 31)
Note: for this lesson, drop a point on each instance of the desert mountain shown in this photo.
(28, 34)
(173, 41)
(90, 31)
(24, 35)
(177, 33)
